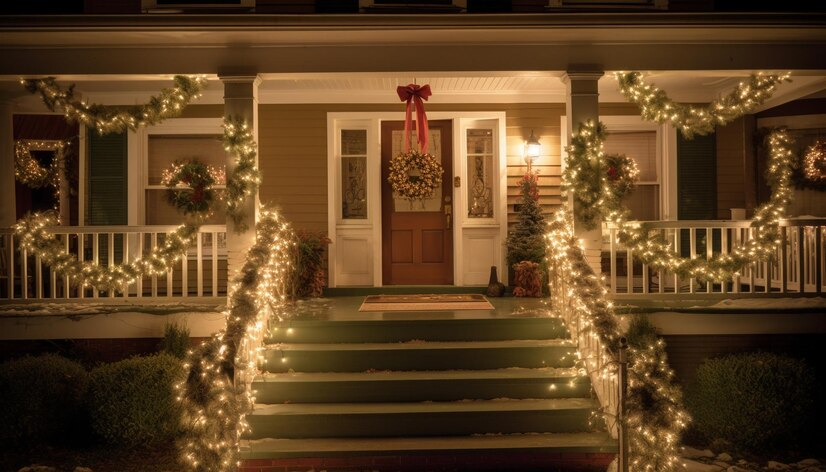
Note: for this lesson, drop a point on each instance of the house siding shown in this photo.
(293, 151)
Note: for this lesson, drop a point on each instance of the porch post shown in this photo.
(581, 105)
(8, 206)
(241, 101)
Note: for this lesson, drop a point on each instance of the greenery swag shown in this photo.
(415, 175)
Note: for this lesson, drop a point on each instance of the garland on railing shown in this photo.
(690, 120)
(655, 414)
(655, 250)
(243, 180)
(215, 405)
(114, 119)
(36, 238)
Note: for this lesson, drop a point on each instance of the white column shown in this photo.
(8, 206)
(581, 105)
(241, 101)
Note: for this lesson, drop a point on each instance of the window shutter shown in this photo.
(107, 179)
(107, 193)
(696, 184)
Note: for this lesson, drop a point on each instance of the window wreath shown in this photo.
(621, 173)
(415, 175)
(191, 186)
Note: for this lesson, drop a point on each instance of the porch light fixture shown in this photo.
(532, 149)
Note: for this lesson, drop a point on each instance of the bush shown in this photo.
(309, 277)
(175, 340)
(133, 402)
(42, 397)
(754, 401)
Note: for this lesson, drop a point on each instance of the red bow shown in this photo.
(409, 94)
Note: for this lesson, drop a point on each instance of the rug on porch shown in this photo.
(432, 302)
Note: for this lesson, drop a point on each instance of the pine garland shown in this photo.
(655, 414)
(37, 239)
(690, 120)
(244, 179)
(215, 406)
(106, 119)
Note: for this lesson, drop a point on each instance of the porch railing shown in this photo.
(203, 272)
(796, 268)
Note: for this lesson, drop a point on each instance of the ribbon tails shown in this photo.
(409, 94)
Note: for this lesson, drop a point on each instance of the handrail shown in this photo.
(683, 224)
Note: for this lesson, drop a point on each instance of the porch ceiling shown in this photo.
(376, 88)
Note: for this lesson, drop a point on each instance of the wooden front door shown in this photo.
(417, 236)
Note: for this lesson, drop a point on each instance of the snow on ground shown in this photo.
(770, 303)
(696, 460)
(95, 308)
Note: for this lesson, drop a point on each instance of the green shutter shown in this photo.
(107, 179)
(107, 190)
(696, 184)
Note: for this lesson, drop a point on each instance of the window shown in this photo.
(353, 150)
(480, 172)
(641, 146)
(163, 150)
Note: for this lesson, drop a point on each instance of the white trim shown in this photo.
(666, 154)
(372, 121)
(793, 122)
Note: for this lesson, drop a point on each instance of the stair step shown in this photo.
(304, 420)
(418, 327)
(425, 355)
(598, 442)
(416, 386)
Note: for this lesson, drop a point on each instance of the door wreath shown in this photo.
(415, 175)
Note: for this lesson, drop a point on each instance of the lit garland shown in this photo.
(655, 415)
(29, 172)
(244, 179)
(655, 250)
(690, 120)
(32, 231)
(168, 104)
(215, 405)
(814, 163)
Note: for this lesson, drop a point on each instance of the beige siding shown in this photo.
(293, 151)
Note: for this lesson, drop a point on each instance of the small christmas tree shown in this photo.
(527, 240)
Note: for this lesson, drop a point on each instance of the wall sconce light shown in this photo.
(532, 149)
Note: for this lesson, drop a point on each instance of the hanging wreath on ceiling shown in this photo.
(191, 186)
(415, 175)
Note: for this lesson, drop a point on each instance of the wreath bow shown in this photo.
(415, 93)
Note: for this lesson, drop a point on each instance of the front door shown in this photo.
(417, 236)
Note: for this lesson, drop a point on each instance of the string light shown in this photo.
(29, 172)
(598, 203)
(35, 237)
(655, 415)
(244, 178)
(689, 119)
(215, 393)
(106, 119)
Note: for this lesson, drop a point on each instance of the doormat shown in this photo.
(437, 302)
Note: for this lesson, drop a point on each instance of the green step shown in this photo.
(478, 355)
(400, 330)
(342, 420)
(418, 386)
(578, 443)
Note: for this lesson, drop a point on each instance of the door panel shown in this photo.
(417, 239)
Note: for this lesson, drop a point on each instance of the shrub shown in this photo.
(309, 277)
(42, 397)
(754, 401)
(133, 402)
(175, 340)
